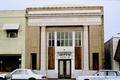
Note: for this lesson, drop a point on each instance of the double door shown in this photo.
(64, 68)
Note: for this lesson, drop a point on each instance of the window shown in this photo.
(78, 53)
(111, 73)
(101, 73)
(12, 33)
(51, 50)
(77, 39)
(19, 72)
(51, 39)
(64, 38)
(117, 73)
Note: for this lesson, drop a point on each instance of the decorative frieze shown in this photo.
(64, 16)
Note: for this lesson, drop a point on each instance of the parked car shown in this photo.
(102, 75)
(2, 76)
(22, 74)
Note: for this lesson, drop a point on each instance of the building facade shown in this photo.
(63, 41)
(112, 50)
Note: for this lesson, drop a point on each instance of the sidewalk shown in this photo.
(61, 79)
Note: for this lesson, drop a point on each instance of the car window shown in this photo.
(118, 73)
(101, 73)
(111, 73)
(26, 72)
(18, 72)
(35, 72)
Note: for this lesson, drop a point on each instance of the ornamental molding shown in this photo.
(64, 11)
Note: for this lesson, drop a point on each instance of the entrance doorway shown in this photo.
(34, 61)
(64, 68)
(95, 61)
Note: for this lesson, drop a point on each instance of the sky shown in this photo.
(111, 10)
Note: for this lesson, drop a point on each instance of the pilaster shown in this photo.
(85, 55)
(43, 50)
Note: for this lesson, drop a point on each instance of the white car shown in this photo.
(102, 75)
(22, 74)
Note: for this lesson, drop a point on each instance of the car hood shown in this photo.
(3, 74)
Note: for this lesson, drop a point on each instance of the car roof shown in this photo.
(22, 69)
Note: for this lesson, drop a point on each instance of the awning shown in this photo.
(117, 53)
(11, 26)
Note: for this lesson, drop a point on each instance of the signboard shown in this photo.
(64, 55)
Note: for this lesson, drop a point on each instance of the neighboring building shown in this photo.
(61, 41)
(12, 39)
(112, 53)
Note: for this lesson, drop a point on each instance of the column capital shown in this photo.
(86, 28)
(43, 26)
(43, 29)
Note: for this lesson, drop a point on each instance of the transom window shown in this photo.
(51, 39)
(64, 38)
(77, 39)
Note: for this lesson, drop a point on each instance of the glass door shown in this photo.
(64, 68)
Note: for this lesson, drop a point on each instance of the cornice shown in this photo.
(62, 14)
(63, 7)
(65, 11)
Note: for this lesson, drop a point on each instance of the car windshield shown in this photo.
(19, 72)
